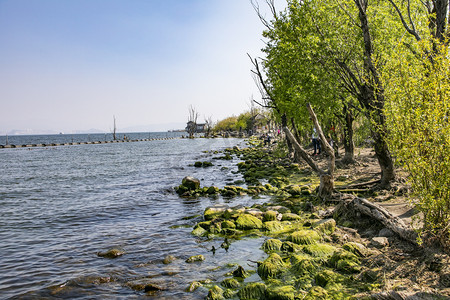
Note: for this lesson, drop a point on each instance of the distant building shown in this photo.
(195, 128)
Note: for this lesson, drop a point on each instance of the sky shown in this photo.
(72, 65)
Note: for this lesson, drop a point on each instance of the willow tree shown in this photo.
(418, 109)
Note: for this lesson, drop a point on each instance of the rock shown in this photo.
(199, 231)
(379, 242)
(304, 237)
(169, 259)
(213, 190)
(206, 164)
(215, 293)
(272, 245)
(254, 212)
(230, 283)
(247, 222)
(193, 286)
(111, 253)
(290, 247)
(270, 215)
(302, 264)
(254, 290)
(198, 164)
(319, 250)
(345, 261)
(240, 272)
(290, 217)
(272, 267)
(215, 211)
(327, 226)
(281, 292)
(146, 285)
(195, 258)
(191, 183)
(355, 248)
(228, 224)
(325, 277)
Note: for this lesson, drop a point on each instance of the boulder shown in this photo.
(195, 258)
(379, 242)
(254, 290)
(272, 267)
(247, 222)
(327, 226)
(272, 245)
(111, 253)
(215, 211)
(190, 183)
(304, 237)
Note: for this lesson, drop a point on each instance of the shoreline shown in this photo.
(299, 232)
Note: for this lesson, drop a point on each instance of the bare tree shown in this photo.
(192, 122)
(208, 125)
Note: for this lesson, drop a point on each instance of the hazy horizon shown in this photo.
(69, 66)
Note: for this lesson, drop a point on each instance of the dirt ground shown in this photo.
(409, 271)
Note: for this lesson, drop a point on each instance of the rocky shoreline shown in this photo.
(313, 252)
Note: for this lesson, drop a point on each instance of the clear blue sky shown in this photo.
(71, 65)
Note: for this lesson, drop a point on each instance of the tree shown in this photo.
(192, 121)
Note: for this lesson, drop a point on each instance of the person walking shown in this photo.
(316, 142)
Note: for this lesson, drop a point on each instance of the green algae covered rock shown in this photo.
(270, 215)
(272, 267)
(230, 283)
(290, 217)
(228, 224)
(272, 245)
(240, 272)
(190, 183)
(213, 190)
(290, 247)
(199, 231)
(193, 286)
(325, 277)
(345, 261)
(253, 291)
(273, 226)
(247, 222)
(195, 258)
(215, 211)
(355, 248)
(215, 293)
(317, 293)
(280, 293)
(169, 259)
(327, 226)
(111, 253)
(319, 250)
(302, 265)
(304, 237)
(228, 293)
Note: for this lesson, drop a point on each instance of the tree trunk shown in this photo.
(375, 211)
(384, 160)
(349, 145)
(326, 186)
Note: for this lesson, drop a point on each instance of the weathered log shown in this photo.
(380, 214)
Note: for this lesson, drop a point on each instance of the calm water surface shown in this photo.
(59, 206)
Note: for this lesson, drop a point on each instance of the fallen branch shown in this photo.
(356, 185)
(378, 213)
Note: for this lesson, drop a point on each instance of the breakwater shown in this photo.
(9, 146)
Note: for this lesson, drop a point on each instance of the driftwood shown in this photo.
(380, 214)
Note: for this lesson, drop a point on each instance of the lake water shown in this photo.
(59, 206)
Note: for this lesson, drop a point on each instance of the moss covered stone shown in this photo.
(317, 293)
(195, 258)
(230, 283)
(111, 253)
(272, 267)
(355, 248)
(272, 245)
(270, 215)
(327, 226)
(240, 272)
(190, 183)
(303, 265)
(247, 222)
(325, 277)
(215, 293)
(280, 293)
(304, 237)
(290, 217)
(199, 231)
(228, 224)
(228, 293)
(319, 250)
(215, 211)
(193, 286)
(212, 190)
(345, 261)
(290, 247)
(273, 226)
(253, 291)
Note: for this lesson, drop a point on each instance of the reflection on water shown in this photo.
(60, 206)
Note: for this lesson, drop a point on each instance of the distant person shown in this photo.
(316, 143)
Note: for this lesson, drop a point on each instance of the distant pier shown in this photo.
(83, 143)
